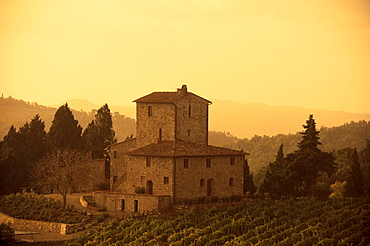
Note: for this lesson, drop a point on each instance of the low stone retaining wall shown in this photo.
(84, 200)
(38, 226)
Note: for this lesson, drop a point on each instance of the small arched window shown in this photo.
(231, 182)
(202, 182)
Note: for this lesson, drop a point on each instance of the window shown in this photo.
(142, 179)
(208, 162)
(202, 182)
(148, 162)
(136, 206)
(114, 154)
(186, 163)
(232, 161)
(115, 179)
(189, 110)
(231, 182)
(122, 204)
(189, 132)
(160, 135)
(150, 111)
(166, 180)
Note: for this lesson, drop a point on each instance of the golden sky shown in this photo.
(313, 54)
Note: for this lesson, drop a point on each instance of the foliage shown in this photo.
(99, 133)
(364, 159)
(140, 190)
(6, 233)
(249, 185)
(65, 131)
(298, 173)
(35, 207)
(291, 222)
(338, 189)
(262, 149)
(59, 171)
(19, 153)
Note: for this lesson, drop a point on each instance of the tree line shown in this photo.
(310, 171)
(27, 153)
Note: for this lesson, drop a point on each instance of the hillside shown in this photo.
(263, 149)
(18, 112)
(271, 126)
(240, 119)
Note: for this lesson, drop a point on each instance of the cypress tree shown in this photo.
(65, 132)
(355, 182)
(99, 133)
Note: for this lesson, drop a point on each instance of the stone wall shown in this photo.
(192, 119)
(38, 226)
(122, 203)
(139, 174)
(91, 176)
(148, 127)
(118, 163)
(188, 180)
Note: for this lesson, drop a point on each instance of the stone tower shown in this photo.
(179, 115)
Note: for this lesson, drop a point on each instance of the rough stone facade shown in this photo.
(123, 203)
(91, 177)
(220, 179)
(170, 157)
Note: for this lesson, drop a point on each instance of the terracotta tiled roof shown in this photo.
(178, 148)
(164, 97)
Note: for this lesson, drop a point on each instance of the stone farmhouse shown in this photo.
(170, 160)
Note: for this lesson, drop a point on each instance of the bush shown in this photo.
(214, 199)
(201, 199)
(6, 233)
(105, 215)
(140, 190)
(100, 218)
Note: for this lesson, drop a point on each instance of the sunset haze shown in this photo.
(312, 54)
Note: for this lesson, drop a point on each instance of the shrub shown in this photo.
(105, 214)
(100, 218)
(214, 199)
(140, 190)
(6, 233)
(201, 199)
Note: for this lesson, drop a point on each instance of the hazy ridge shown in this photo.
(243, 120)
(259, 129)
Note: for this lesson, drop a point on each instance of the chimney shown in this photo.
(183, 91)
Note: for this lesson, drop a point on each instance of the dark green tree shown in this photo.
(310, 137)
(355, 181)
(364, 160)
(249, 185)
(99, 133)
(280, 154)
(65, 131)
(298, 172)
(19, 152)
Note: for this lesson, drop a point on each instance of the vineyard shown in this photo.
(291, 222)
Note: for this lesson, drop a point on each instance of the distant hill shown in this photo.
(18, 112)
(239, 119)
(262, 149)
(87, 106)
(246, 120)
